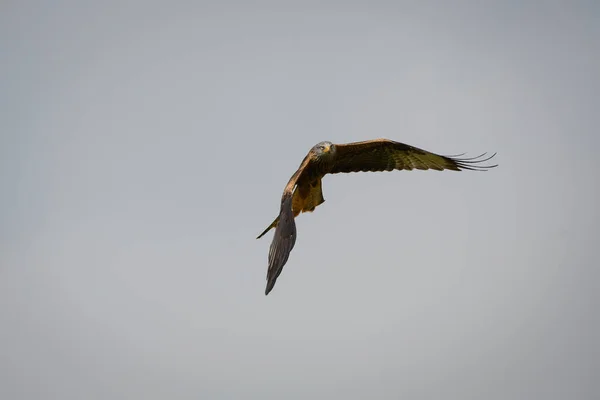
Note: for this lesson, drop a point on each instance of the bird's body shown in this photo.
(303, 193)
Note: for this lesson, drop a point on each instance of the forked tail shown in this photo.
(273, 225)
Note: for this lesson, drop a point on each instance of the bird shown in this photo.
(303, 192)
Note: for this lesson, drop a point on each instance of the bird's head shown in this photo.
(322, 150)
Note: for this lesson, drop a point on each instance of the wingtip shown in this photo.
(270, 286)
(474, 163)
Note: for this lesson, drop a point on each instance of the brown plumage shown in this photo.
(303, 192)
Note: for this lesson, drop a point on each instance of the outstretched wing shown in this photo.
(285, 232)
(282, 244)
(387, 155)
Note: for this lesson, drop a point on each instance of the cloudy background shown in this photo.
(144, 145)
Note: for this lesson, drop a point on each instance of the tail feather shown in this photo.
(273, 225)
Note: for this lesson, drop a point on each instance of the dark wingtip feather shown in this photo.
(473, 163)
(270, 286)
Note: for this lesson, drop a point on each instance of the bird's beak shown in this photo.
(327, 149)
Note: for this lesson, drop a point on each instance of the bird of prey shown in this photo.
(303, 191)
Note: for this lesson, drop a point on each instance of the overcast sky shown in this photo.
(144, 145)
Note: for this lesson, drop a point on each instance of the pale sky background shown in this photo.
(144, 145)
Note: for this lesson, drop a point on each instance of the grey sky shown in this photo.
(145, 145)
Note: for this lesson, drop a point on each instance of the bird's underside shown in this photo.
(303, 193)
